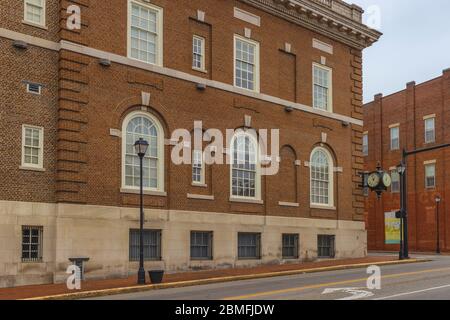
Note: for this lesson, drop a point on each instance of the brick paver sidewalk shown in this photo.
(54, 289)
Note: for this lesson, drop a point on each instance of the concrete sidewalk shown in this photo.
(115, 286)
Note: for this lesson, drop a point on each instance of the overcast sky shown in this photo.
(415, 45)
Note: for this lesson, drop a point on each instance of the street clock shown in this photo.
(378, 181)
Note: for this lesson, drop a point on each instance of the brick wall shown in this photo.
(408, 108)
(92, 99)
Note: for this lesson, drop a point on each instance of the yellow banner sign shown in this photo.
(392, 228)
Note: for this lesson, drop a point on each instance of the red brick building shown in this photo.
(411, 119)
(82, 80)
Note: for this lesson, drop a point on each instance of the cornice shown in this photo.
(332, 18)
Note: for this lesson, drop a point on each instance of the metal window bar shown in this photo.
(326, 246)
(32, 243)
(290, 246)
(201, 245)
(249, 246)
(152, 245)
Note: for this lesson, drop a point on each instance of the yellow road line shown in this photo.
(329, 284)
(125, 290)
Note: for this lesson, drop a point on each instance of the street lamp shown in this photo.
(401, 168)
(141, 147)
(438, 201)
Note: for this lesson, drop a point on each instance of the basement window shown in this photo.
(325, 246)
(152, 245)
(249, 245)
(32, 243)
(290, 246)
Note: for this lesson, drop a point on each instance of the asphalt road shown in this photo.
(418, 281)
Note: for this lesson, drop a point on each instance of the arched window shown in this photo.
(322, 171)
(245, 174)
(142, 125)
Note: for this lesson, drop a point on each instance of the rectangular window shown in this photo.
(34, 12)
(325, 246)
(152, 245)
(32, 146)
(32, 243)
(198, 53)
(322, 83)
(198, 172)
(395, 138)
(290, 246)
(430, 135)
(201, 245)
(430, 176)
(395, 184)
(249, 245)
(246, 64)
(145, 43)
(365, 185)
(365, 146)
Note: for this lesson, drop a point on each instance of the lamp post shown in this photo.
(141, 147)
(401, 168)
(438, 247)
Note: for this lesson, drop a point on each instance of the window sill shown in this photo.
(31, 169)
(158, 64)
(200, 70)
(249, 259)
(323, 110)
(199, 197)
(288, 204)
(323, 207)
(146, 192)
(252, 201)
(256, 91)
(40, 26)
(199, 185)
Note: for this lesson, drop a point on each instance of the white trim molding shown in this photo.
(200, 197)
(247, 17)
(288, 204)
(322, 46)
(95, 53)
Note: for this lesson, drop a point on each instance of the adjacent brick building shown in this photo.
(73, 102)
(411, 119)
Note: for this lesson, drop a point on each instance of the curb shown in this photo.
(115, 291)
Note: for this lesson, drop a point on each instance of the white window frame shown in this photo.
(257, 196)
(40, 164)
(202, 172)
(391, 128)
(159, 31)
(395, 172)
(161, 152)
(33, 23)
(426, 165)
(330, 204)
(365, 145)
(330, 88)
(257, 63)
(426, 120)
(202, 61)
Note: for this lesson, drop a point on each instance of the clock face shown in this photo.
(387, 181)
(373, 180)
